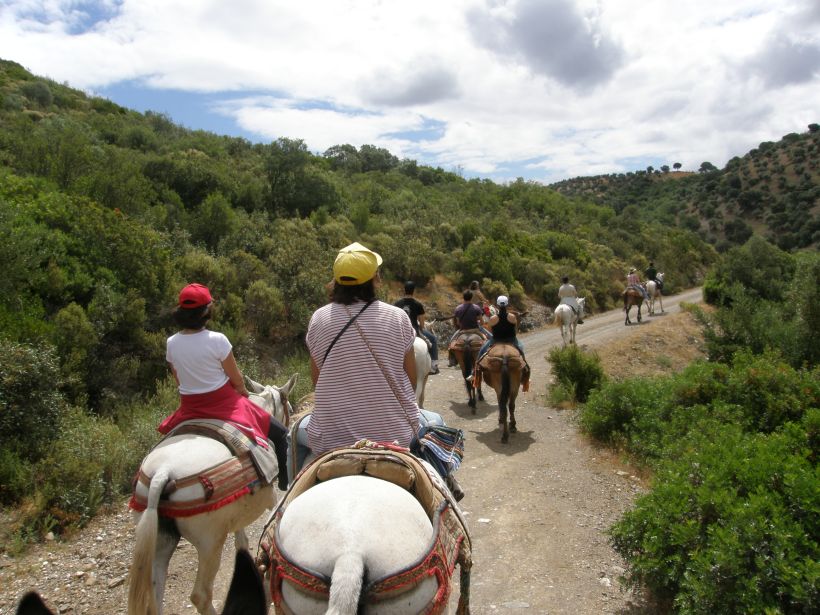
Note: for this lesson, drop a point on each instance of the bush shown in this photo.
(577, 370)
(731, 526)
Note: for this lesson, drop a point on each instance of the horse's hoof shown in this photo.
(513, 429)
(480, 395)
(505, 438)
(472, 404)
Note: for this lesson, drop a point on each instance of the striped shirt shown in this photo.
(353, 398)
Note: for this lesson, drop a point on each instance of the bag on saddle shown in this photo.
(440, 446)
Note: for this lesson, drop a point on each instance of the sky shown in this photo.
(544, 90)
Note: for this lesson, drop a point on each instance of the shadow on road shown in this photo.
(462, 410)
(519, 441)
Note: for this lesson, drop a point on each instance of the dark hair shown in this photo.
(565, 279)
(409, 287)
(192, 318)
(468, 295)
(474, 285)
(351, 294)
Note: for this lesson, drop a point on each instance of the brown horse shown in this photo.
(465, 347)
(632, 297)
(504, 369)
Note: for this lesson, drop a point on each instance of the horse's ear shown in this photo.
(32, 604)
(253, 386)
(246, 595)
(288, 387)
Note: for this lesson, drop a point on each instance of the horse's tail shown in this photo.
(505, 382)
(141, 599)
(346, 584)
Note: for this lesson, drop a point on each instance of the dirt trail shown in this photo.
(538, 509)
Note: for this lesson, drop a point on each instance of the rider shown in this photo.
(568, 295)
(468, 315)
(415, 311)
(633, 281)
(652, 275)
(362, 365)
(210, 383)
(504, 326)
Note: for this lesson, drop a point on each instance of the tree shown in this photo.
(707, 167)
(665, 168)
(677, 166)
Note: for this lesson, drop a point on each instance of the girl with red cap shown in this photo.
(210, 383)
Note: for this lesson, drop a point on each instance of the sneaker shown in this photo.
(434, 370)
(580, 321)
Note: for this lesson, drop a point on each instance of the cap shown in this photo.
(194, 296)
(502, 301)
(355, 264)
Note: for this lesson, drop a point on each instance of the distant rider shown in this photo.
(415, 311)
(633, 282)
(569, 296)
(652, 275)
(504, 326)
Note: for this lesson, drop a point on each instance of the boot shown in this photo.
(454, 487)
(434, 368)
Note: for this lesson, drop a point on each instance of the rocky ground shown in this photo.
(538, 507)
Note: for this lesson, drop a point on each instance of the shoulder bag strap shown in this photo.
(349, 322)
(387, 377)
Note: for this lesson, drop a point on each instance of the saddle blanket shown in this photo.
(251, 467)
(471, 337)
(450, 546)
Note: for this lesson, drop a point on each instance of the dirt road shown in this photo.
(538, 508)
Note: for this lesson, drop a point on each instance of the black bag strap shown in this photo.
(349, 322)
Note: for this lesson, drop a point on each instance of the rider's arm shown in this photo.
(422, 321)
(410, 366)
(174, 372)
(314, 371)
(234, 375)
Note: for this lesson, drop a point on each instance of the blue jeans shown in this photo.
(486, 346)
(305, 455)
(433, 344)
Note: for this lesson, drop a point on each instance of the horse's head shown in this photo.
(660, 276)
(582, 303)
(273, 399)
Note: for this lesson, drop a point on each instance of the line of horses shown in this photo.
(344, 531)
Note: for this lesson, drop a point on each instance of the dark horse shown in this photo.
(505, 370)
(632, 297)
(465, 347)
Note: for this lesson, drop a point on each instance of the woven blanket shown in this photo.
(450, 545)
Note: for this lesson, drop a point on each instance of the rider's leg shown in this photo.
(277, 434)
(427, 418)
(433, 349)
(303, 451)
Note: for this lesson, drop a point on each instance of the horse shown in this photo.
(178, 457)
(465, 348)
(246, 595)
(365, 530)
(654, 292)
(503, 368)
(423, 366)
(567, 318)
(632, 297)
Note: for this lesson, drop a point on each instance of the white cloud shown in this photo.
(551, 89)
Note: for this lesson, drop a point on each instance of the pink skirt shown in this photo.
(224, 404)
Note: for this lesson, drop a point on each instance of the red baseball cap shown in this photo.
(194, 296)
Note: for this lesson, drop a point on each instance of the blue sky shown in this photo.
(539, 89)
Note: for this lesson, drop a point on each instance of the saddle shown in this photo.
(493, 361)
(467, 339)
(250, 467)
(450, 545)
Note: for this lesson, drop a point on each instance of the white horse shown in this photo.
(354, 530)
(175, 458)
(566, 318)
(423, 365)
(654, 293)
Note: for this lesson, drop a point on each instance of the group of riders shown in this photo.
(362, 363)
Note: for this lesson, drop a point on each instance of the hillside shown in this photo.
(773, 191)
(109, 212)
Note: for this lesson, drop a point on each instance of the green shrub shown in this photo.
(731, 526)
(31, 404)
(581, 371)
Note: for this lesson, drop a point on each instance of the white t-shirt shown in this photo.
(197, 359)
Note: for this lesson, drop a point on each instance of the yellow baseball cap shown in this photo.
(355, 264)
